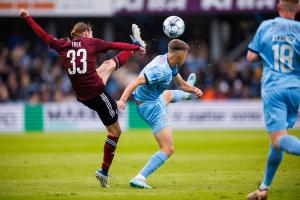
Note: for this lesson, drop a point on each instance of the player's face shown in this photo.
(181, 56)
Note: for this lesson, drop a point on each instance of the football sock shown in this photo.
(122, 58)
(274, 159)
(290, 144)
(155, 162)
(109, 153)
(178, 95)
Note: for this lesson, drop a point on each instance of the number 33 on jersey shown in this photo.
(82, 55)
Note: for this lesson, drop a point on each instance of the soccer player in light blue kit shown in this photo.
(150, 94)
(277, 45)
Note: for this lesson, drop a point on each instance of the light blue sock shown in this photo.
(155, 162)
(290, 144)
(178, 95)
(274, 159)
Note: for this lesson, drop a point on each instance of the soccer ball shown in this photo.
(173, 26)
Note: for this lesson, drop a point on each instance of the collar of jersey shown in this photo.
(169, 63)
(285, 18)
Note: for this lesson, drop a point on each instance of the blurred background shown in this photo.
(218, 32)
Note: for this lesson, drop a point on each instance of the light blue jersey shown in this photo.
(158, 74)
(277, 42)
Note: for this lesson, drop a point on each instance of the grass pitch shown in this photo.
(207, 165)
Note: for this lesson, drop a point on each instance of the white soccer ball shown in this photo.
(173, 26)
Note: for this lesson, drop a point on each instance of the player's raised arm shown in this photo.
(141, 80)
(186, 87)
(46, 37)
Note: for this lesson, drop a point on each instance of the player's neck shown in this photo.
(287, 15)
(171, 60)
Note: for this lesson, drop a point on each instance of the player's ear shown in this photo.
(278, 7)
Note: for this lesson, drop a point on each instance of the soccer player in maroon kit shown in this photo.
(79, 61)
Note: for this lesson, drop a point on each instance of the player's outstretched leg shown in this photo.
(283, 143)
(108, 66)
(290, 144)
(173, 96)
(114, 132)
(274, 159)
(165, 141)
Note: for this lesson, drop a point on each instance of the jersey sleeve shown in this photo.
(255, 44)
(57, 44)
(102, 46)
(154, 75)
(46, 37)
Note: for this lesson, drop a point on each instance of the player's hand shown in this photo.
(24, 13)
(142, 51)
(121, 104)
(198, 92)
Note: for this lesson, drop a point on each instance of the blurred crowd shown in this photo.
(31, 72)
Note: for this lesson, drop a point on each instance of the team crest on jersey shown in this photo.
(155, 77)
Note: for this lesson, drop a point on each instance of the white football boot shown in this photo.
(136, 36)
(139, 183)
(102, 178)
(191, 80)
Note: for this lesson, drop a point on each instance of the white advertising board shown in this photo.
(11, 118)
(75, 117)
(218, 115)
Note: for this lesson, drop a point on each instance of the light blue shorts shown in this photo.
(154, 113)
(281, 107)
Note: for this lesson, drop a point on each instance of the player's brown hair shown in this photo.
(177, 45)
(79, 28)
(289, 5)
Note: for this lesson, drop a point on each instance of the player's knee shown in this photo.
(169, 150)
(275, 137)
(168, 96)
(275, 143)
(110, 63)
(115, 132)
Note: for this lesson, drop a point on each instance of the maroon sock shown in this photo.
(109, 153)
(122, 58)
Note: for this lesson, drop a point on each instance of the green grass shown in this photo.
(207, 165)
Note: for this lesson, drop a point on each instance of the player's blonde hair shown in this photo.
(290, 5)
(79, 28)
(177, 45)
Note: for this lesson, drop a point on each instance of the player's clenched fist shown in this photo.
(198, 92)
(121, 104)
(142, 51)
(24, 13)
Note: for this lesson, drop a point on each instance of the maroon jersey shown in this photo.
(79, 59)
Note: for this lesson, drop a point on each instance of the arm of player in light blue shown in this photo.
(186, 87)
(140, 80)
(255, 46)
